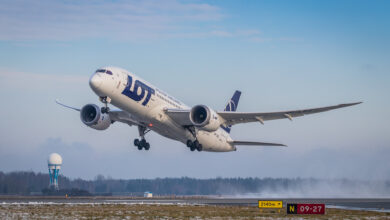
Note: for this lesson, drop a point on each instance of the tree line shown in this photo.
(26, 183)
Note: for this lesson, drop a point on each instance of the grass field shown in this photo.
(163, 211)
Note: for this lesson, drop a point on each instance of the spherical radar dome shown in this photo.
(54, 159)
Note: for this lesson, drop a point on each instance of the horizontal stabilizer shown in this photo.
(252, 143)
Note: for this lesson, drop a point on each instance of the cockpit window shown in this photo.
(104, 71)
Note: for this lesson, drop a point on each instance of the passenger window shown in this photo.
(109, 72)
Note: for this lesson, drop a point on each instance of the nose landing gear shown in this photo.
(105, 101)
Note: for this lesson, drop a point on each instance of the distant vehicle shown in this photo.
(148, 194)
(144, 105)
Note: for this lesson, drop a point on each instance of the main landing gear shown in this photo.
(142, 143)
(194, 145)
(105, 100)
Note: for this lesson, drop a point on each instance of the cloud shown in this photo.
(216, 33)
(119, 20)
(221, 33)
(291, 39)
(26, 80)
(256, 38)
(237, 33)
(58, 20)
(260, 39)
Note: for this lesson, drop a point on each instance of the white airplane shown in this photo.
(144, 105)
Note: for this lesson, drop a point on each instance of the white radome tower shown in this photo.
(54, 163)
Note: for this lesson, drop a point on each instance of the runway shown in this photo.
(345, 203)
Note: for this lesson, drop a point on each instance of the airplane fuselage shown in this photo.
(146, 103)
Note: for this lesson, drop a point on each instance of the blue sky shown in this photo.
(281, 54)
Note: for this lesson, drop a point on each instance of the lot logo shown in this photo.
(134, 94)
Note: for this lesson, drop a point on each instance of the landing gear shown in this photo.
(105, 101)
(105, 110)
(142, 143)
(199, 147)
(189, 143)
(194, 145)
(139, 146)
(147, 146)
(136, 142)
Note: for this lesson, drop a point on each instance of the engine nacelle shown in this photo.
(204, 118)
(91, 116)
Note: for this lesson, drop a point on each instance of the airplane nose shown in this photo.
(95, 81)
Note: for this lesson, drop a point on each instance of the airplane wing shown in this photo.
(122, 116)
(251, 143)
(179, 116)
(115, 115)
(232, 118)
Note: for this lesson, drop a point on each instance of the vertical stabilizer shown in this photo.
(232, 107)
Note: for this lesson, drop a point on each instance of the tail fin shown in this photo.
(232, 107)
(233, 103)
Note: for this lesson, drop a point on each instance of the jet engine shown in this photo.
(204, 118)
(91, 116)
